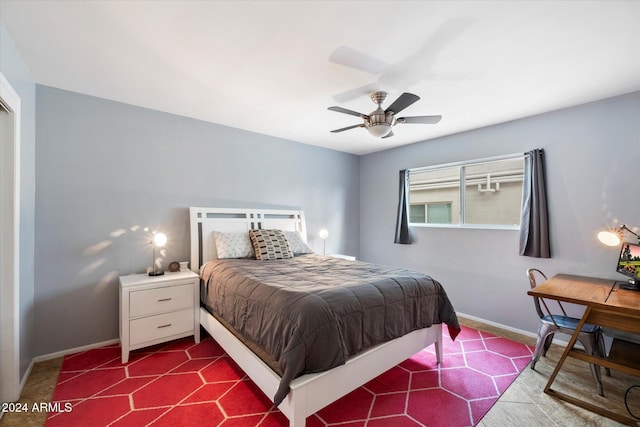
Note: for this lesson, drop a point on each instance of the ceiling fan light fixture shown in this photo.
(379, 123)
(379, 130)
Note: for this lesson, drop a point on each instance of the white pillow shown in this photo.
(296, 243)
(233, 245)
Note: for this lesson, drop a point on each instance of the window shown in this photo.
(439, 213)
(417, 213)
(483, 192)
(430, 213)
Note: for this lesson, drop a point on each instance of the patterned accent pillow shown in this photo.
(233, 245)
(270, 244)
(297, 243)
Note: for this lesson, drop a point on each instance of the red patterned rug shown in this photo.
(182, 383)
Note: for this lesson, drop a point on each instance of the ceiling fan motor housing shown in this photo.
(379, 97)
(379, 124)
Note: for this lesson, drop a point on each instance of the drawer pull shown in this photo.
(165, 299)
(164, 326)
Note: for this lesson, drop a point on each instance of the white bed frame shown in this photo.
(308, 393)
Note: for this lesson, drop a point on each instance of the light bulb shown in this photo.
(159, 239)
(609, 238)
(379, 130)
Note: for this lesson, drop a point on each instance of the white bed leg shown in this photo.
(298, 416)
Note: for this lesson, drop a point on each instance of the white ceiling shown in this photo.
(265, 66)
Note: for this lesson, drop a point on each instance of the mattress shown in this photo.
(311, 313)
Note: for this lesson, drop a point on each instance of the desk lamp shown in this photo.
(159, 240)
(614, 237)
(628, 262)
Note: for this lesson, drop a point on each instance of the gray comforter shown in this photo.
(311, 313)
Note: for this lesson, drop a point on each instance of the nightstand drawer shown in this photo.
(162, 325)
(160, 300)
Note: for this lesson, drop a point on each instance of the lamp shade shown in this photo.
(609, 238)
(379, 130)
(614, 237)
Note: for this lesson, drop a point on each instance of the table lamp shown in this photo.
(158, 241)
(323, 235)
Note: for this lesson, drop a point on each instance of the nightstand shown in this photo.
(155, 309)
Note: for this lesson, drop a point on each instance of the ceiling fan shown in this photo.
(379, 122)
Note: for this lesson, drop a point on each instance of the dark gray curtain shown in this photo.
(402, 221)
(534, 224)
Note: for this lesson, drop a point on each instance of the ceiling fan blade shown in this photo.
(350, 112)
(419, 119)
(347, 128)
(352, 94)
(445, 35)
(389, 135)
(453, 76)
(354, 59)
(402, 102)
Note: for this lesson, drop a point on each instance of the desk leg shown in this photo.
(566, 352)
(567, 398)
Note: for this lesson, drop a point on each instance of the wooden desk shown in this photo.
(606, 305)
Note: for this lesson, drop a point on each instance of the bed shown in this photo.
(277, 351)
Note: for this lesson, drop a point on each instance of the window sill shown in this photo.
(468, 226)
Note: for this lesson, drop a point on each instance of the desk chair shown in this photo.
(550, 323)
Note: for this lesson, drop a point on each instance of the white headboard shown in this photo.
(203, 221)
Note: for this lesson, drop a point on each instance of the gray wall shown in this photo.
(592, 153)
(100, 168)
(16, 72)
(104, 168)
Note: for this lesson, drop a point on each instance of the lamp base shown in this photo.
(156, 273)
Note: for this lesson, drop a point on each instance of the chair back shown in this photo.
(533, 274)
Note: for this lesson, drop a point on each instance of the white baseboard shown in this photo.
(497, 325)
(515, 330)
(57, 354)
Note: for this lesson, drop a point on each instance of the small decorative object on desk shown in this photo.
(184, 265)
(174, 266)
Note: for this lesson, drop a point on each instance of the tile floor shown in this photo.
(523, 404)
(526, 404)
